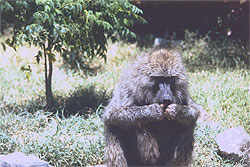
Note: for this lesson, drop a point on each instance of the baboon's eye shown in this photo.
(157, 80)
(156, 85)
(170, 80)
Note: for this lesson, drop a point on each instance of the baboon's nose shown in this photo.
(167, 102)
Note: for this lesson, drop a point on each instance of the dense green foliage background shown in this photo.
(78, 30)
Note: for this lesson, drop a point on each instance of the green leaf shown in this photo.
(27, 68)
(114, 39)
(8, 42)
(52, 57)
(3, 45)
(41, 17)
(38, 56)
(47, 8)
(28, 74)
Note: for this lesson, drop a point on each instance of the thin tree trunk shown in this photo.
(48, 80)
(50, 102)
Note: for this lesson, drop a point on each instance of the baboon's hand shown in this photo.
(185, 114)
(162, 107)
(171, 111)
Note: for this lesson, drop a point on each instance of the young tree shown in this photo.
(66, 26)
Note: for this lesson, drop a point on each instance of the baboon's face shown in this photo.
(163, 89)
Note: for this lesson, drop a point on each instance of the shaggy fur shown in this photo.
(138, 131)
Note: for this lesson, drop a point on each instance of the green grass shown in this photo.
(224, 95)
(62, 142)
(77, 140)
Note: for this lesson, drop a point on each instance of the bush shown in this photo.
(220, 52)
(83, 101)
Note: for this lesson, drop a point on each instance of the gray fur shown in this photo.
(138, 131)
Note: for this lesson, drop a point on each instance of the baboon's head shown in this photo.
(163, 90)
(160, 78)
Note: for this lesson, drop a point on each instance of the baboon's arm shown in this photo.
(133, 115)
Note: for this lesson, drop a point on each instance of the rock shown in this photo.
(163, 42)
(160, 41)
(234, 143)
(19, 159)
(98, 166)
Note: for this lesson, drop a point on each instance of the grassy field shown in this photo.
(77, 139)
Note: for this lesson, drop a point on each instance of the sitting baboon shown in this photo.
(151, 118)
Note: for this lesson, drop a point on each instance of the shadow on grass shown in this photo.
(83, 101)
(38, 103)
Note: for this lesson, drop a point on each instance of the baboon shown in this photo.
(150, 119)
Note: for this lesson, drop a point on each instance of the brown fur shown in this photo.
(138, 131)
